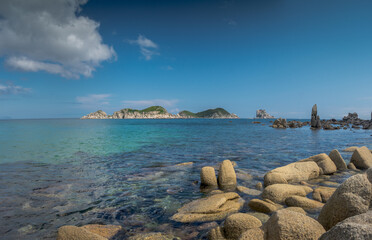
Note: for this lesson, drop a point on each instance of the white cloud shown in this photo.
(147, 47)
(148, 103)
(49, 36)
(11, 89)
(93, 100)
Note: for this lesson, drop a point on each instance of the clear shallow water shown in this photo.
(70, 171)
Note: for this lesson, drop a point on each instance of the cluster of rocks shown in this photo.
(262, 114)
(282, 123)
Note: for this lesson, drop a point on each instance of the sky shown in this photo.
(67, 58)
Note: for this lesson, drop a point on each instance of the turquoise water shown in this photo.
(71, 171)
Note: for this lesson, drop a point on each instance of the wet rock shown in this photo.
(259, 186)
(237, 223)
(263, 217)
(337, 159)
(292, 173)
(289, 225)
(208, 177)
(248, 191)
(185, 164)
(226, 175)
(107, 231)
(356, 227)
(279, 192)
(303, 202)
(72, 232)
(362, 158)
(263, 206)
(206, 226)
(351, 198)
(212, 208)
(151, 236)
(280, 123)
(325, 163)
(322, 194)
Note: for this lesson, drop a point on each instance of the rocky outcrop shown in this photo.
(362, 158)
(351, 198)
(280, 123)
(315, 120)
(96, 115)
(356, 227)
(208, 177)
(226, 175)
(88, 232)
(262, 114)
(211, 208)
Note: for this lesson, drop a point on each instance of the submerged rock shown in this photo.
(211, 208)
(107, 231)
(151, 236)
(78, 233)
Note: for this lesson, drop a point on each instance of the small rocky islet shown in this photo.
(295, 201)
(158, 112)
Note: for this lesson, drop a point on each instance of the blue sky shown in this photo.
(72, 57)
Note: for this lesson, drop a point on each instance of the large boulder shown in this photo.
(226, 175)
(279, 192)
(208, 177)
(302, 202)
(238, 223)
(325, 164)
(351, 198)
(253, 234)
(263, 206)
(322, 194)
(337, 159)
(352, 228)
(77, 233)
(292, 173)
(290, 225)
(362, 158)
(211, 208)
(315, 120)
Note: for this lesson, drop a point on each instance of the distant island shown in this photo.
(262, 114)
(158, 112)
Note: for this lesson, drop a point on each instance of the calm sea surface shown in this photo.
(70, 171)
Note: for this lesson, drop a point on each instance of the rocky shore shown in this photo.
(295, 201)
(158, 112)
(350, 121)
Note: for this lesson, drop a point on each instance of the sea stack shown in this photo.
(315, 120)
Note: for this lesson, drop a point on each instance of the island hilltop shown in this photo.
(158, 112)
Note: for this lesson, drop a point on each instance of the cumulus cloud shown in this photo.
(148, 103)
(11, 89)
(42, 35)
(93, 100)
(147, 47)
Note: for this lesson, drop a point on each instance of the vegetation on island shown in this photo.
(211, 112)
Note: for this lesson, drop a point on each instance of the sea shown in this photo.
(56, 172)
